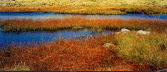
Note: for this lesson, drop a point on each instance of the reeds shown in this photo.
(130, 52)
(68, 55)
(21, 25)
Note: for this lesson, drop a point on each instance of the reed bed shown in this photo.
(68, 55)
(129, 52)
(22, 25)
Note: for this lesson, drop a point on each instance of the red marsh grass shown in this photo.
(67, 55)
(21, 25)
(130, 51)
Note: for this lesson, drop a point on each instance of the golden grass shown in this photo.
(149, 49)
(86, 6)
(89, 9)
(38, 3)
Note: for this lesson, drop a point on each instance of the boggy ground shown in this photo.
(127, 52)
(67, 55)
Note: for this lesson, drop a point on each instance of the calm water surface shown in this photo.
(40, 15)
(27, 37)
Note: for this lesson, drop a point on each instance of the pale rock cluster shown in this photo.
(139, 32)
(123, 31)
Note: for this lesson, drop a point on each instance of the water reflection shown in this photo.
(26, 37)
(40, 15)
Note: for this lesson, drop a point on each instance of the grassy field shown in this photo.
(82, 2)
(86, 6)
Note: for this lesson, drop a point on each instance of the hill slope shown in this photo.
(82, 2)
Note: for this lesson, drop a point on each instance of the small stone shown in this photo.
(108, 45)
(117, 32)
(141, 32)
(125, 30)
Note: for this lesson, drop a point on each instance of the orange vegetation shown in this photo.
(17, 25)
(68, 55)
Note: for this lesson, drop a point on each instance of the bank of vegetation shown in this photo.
(24, 25)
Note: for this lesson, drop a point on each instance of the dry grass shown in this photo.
(89, 10)
(86, 6)
(149, 49)
(82, 3)
(20, 25)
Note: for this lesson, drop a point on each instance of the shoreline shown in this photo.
(92, 10)
(11, 25)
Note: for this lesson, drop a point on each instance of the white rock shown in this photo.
(141, 32)
(117, 32)
(125, 30)
(108, 45)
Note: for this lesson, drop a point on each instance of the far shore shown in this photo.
(94, 10)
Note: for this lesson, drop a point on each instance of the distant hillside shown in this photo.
(82, 2)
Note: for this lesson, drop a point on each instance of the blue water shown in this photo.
(37, 37)
(27, 37)
(40, 15)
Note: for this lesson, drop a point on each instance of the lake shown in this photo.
(40, 15)
(37, 37)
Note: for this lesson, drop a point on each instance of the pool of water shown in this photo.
(41, 15)
(37, 37)
(27, 37)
